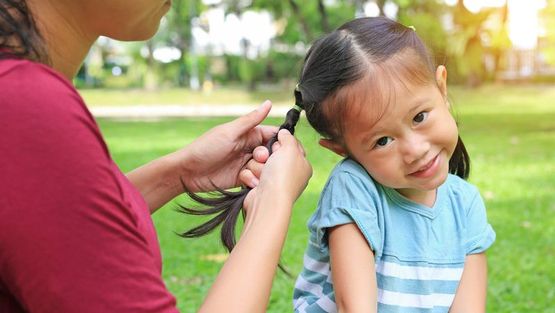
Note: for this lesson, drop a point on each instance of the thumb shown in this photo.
(285, 137)
(252, 119)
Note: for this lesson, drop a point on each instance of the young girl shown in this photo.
(397, 228)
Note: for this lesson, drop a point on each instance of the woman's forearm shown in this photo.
(158, 181)
(245, 281)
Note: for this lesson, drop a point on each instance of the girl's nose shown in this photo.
(414, 148)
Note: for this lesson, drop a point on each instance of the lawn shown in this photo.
(510, 135)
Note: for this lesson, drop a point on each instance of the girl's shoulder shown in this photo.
(460, 187)
(349, 167)
(350, 186)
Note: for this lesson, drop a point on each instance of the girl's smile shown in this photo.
(428, 170)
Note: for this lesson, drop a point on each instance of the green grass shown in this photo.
(510, 134)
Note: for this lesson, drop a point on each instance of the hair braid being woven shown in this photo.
(226, 205)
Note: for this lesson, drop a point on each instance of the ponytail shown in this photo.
(227, 205)
(459, 164)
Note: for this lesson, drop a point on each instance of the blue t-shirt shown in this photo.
(419, 251)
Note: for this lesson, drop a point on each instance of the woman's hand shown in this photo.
(251, 266)
(284, 175)
(219, 157)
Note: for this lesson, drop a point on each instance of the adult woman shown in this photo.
(76, 234)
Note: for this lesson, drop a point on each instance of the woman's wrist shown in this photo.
(158, 181)
(269, 203)
(185, 170)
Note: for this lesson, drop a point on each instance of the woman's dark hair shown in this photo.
(353, 53)
(19, 37)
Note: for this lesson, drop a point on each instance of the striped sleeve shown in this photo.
(348, 198)
(314, 290)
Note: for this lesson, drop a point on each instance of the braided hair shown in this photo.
(227, 205)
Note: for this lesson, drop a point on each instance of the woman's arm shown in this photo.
(471, 294)
(158, 181)
(245, 281)
(353, 270)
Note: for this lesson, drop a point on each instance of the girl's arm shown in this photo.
(353, 270)
(471, 294)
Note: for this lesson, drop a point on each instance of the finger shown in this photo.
(255, 167)
(260, 154)
(247, 178)
(267, 132)
(250, 120)
(285, 137)
(276, 146)
(301, 148)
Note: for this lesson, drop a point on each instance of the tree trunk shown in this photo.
(323, 16)
(381, 4)
(150, 82)
(498, 53)
(297, 12)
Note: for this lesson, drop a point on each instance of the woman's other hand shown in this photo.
(284, 175)
(220, 157)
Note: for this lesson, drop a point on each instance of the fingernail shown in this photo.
(254, 182)
(263, 104)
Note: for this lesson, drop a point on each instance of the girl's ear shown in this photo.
(441, 80)
(333, 146)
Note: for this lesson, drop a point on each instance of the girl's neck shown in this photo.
(424, 197)
(67, 43)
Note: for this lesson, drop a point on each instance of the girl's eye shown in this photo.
(383, 141)
(420, 117)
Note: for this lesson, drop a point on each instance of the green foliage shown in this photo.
(509, 134)
(284, 64)
(430, 30)
(548, 48)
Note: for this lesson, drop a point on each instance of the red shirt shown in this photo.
(75, 235)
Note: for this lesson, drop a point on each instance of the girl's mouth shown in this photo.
(427, 170)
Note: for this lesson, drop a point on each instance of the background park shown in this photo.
(213, 59)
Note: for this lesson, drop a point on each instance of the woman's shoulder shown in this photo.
(28, 70)
(33, 90)
(26, 79)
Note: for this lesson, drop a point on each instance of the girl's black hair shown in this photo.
(348, 55)
(19, 36)
(339, 59)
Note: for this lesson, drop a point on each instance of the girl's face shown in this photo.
(408, 146)
(119, 19)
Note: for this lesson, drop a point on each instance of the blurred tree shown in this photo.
(500, 41)
(423, 15)
(180, 20)
(548, 17)
(466, 43)
(323, 16)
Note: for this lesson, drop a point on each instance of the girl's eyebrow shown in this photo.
(371, 133)
(417, 104)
